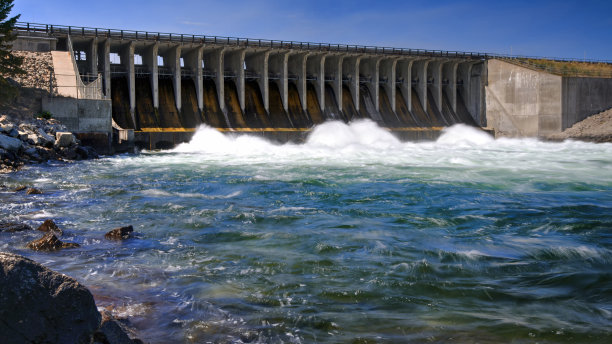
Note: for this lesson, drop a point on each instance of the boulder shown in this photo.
(50, 226)
(120, 233)
(34, 139)
(11, 144)
(32, 152)
(38, 305)
(13, 133)
(46, 139)
(20, 188)
(14, 227)
(23, 136)
(49, 242)
(64, 139)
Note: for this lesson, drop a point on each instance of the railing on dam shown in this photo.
(267, 43)
(237, 41)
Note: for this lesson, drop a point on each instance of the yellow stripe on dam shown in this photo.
(248, 130)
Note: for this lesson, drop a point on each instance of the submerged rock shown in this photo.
(50, 226)
(49, 242)
(38, 305)
(33, 191)
(14, 227)
(120, 233)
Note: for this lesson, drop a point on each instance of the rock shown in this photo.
(38, 305)
(111, 331)
(64, 139)
(34, 139)
(120, 233)
(10, 143)
(32, 152)
(13, 133)
(14, 227)
(50, 226)
(23, 136)
(49, 242)
(33, 191)
(46, 139)
(7, 128)
(20, 188)
(68, 153)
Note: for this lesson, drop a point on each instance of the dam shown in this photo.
(161, 86)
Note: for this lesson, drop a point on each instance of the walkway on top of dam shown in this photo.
(63, 30)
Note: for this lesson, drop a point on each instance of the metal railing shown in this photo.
(237, 41)
(50, 29)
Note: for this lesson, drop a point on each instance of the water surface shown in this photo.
(352, 237)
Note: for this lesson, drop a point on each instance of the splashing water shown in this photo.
(352, 236)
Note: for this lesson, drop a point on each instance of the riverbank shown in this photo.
(37, 140)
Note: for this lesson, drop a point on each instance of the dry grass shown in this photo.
(572, 68)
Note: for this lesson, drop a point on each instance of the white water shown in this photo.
(460, 148)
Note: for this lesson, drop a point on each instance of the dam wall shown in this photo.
(522, 102)
(583, 97)
(170, 83)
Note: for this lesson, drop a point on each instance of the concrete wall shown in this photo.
(81, 115)
(521, 102)
(34, 43)
(583, 97)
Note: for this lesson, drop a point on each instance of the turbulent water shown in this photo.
(352, 237)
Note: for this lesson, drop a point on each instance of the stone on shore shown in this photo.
(11, 144)
(64, 139)
(14, 227)
(120, 233)
(38, 305)
(50, 226)
(49, 242)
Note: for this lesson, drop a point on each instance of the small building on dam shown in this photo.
(154, 89)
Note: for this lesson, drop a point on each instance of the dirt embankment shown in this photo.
(596, 128)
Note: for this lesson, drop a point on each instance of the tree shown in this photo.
(10, 65)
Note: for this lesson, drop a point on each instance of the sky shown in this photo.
(563, 29)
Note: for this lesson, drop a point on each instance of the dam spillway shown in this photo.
(169, 83)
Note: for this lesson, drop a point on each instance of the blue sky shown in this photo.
(568, 29)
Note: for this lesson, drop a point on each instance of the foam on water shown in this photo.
(363, 142)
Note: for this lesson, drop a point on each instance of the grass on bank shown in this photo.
(571, 68)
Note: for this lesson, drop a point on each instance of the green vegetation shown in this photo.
(10, 65)
(44, 114)
(571, 68)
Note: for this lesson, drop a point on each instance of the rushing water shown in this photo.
(351, 237)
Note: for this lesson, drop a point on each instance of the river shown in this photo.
(351, 237)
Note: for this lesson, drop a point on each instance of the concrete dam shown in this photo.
(163, 86)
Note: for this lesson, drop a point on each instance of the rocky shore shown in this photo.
(37, 140)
